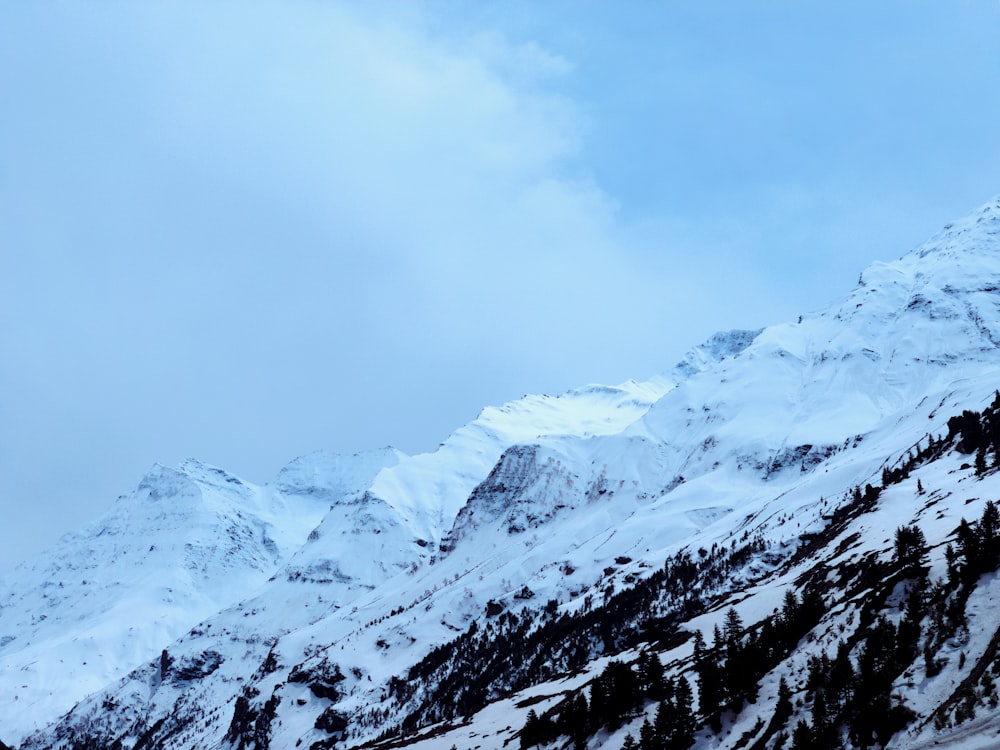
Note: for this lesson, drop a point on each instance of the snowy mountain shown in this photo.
(762, 548)
(184, 544)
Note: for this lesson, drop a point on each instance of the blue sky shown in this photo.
(246, 231)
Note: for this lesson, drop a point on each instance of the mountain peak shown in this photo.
(188, 480)
(976, 232)
(717, 347)
(332, 476)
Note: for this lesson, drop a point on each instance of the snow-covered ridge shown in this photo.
(187, 542)
(546, 505)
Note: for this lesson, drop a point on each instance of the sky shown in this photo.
(246, 231)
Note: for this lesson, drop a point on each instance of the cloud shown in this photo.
(248, 230)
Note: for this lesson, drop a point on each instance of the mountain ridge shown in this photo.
(807, 438)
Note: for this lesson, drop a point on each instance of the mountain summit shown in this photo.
(786, 541)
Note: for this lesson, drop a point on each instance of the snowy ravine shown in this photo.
(435, 600)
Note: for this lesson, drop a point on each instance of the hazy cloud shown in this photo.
(244, 231)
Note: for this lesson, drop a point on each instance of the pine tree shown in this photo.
(951, 561)
(530, 732)
(989, 528)
(622, 692)
(783, 706)
(819, 713)
(841, 683)
(789, 609)
(931, 665)
(665, 723)
(598, 705)
(802, 737)
(647, 737)
(710, 688)
(685, 723)
(980, 461)
(733, 628)
(655, 682)
(968, 547)
(910, 548)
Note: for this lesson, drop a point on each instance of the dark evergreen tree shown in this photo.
(951, 560)
(710, 688)
(802, 737)
(968, 548)
(783, 706)
(733, 629)
(872, 706)
(931, 665)
(789, 609)
(622, 693)
(820, 715)
(647, 737)
(685, 725)
(841, 677)
(665, 723)
(654, 680)
(989, 532)
(980, 462)
(598, 705)
(910, 548)
(531, 731)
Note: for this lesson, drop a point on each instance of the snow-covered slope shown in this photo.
(184, 544)
(343, 524)
(538, 525)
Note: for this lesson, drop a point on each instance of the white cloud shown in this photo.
(248, 230)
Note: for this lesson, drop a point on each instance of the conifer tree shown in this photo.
(655, 682)
(989, 530)
(685, 723)
(529, 734)
(647, 737)
(710, 689)
(733, 628)
(783, 706)
(802, 737)
(598, 705)
(665, 723)
(968, 547)
(980, 461)
(789, 608)
(820, 716)
(841, 676)
(910, 548)
(951, 560)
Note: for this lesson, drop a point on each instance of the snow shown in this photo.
(185, 544)
(372, 560)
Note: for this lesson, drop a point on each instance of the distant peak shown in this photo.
(977, 231)
(333, 475)
(162, 482)
(188, 478)
(717, 347)
(206, 473)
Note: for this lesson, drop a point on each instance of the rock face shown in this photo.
(800, 489)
